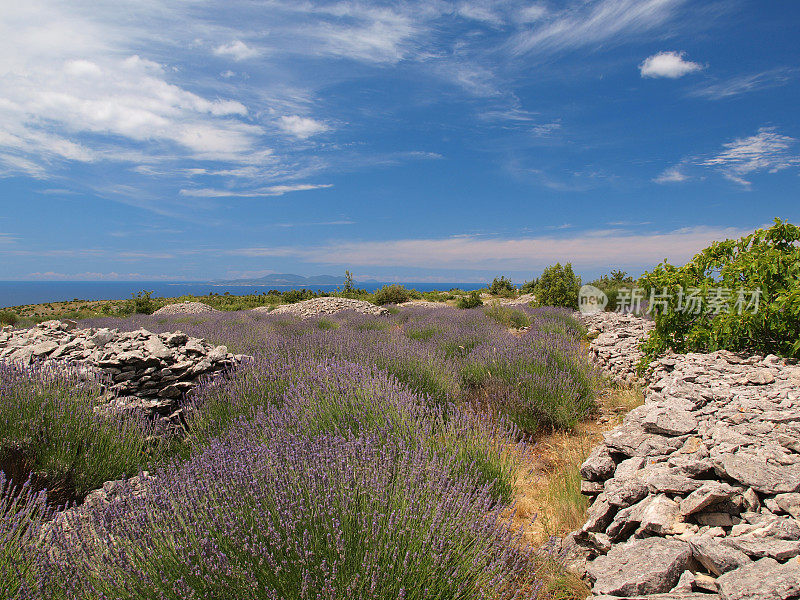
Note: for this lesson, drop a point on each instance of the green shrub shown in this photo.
(293, 296)
(723, 277)
(503, 287)
(513, 318)
(141, 303)
(326, 324)
(391, 294)
(558, 286)
(51, 432)
(8, 317)
(422, 334)
(612, 285)
(473, 300)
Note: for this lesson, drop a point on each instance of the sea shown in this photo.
(17, 293)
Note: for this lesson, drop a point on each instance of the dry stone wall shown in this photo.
(697, 494)
(614, 344)
(146, 372)
(184, 308)
(326, 305)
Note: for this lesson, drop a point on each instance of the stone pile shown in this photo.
(184, 308)
(614, 345)
(82, 525)
(326, 305)
(424, 304)
(146, 372)
(697, 494)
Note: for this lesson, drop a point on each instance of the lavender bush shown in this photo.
(298, 517)
(317, 396)
(21, 514)
(540, 377)
(51, 433)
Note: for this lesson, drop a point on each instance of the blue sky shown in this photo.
(416, 141)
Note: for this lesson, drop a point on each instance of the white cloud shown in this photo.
(668, 64)
(546, 129)
(484, 11)
(317, 223)
(672, 175)
(363, 31)
(72, 90)
(94, 276)
(744, 84)
(592, 22)
(766, 151)
(274, 190)
(237, 50)
(589, 249)
(302, 127)
(532, 13)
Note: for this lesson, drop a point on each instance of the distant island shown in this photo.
(290, 279)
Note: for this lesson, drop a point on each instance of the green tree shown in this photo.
(729, 278)
(558, 286)
(503, 287)
(349, 285)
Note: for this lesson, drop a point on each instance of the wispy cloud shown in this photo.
(744, 84)
(126, 255)
(273, 190)
(546, 129)
(766, 151)
(302, 127)
(668, 64)
(586, 249)
(672, 175)
(94, 276)
(592, 22)
(316, 223)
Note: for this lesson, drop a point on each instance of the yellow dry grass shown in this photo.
(548, 501)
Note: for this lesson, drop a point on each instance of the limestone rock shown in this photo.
(716, 557)
(645, 566)
(669, 422)
(755, 472)
(660, 516)
(759, 547)
(765, 579)
(599, 466)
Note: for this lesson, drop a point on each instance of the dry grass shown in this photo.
(548, 499)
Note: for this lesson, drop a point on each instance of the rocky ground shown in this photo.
(147, 373)
(326, 305)
(697, 494)
(184, 308)
(520, 300)
(615, 343)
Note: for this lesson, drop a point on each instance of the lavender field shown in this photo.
(351, 456)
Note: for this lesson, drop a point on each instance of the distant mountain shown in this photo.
(289, 279)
